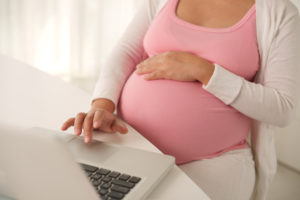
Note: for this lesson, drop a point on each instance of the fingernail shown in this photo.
(123, 126)
(77, 131)
(124, 129)
(95, 124)
(86, 139)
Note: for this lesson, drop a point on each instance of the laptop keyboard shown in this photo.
(110, 185)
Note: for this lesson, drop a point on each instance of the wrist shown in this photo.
(103, 103)
(205, 73)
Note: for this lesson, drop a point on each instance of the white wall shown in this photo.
(288, 139)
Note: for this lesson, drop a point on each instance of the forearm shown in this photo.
(125, 55)
(264, 103)
(114, 74)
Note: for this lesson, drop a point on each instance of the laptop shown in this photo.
(39, 163)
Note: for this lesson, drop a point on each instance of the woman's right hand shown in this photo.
(96, 118)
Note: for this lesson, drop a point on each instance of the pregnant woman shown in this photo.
(195, 77)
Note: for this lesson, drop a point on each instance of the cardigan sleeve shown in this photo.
(274, 100)
(124, 56)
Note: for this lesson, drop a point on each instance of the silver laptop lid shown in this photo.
(39, 165)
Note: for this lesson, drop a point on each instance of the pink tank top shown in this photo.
(181, 118)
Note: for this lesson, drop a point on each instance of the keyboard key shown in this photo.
(123, 183)
(96, 176)
(121, 189)
(134, 179)
(96, 183)
(104, 198)
(114, 174)
(103, 191)
(103, 171)
(106, 179)
(89, 167)
(116, 195)
(106, 185)
(124, 177)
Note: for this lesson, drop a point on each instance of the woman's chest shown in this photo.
(212, 13)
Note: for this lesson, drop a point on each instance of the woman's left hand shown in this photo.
(176, 65)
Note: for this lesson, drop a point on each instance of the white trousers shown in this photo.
(230, 176)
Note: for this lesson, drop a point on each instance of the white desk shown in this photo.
(30, 97)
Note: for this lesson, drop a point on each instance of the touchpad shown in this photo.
(95, 152)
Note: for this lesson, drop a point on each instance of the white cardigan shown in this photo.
(270, 100)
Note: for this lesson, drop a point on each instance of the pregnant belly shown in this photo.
(181, 118)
